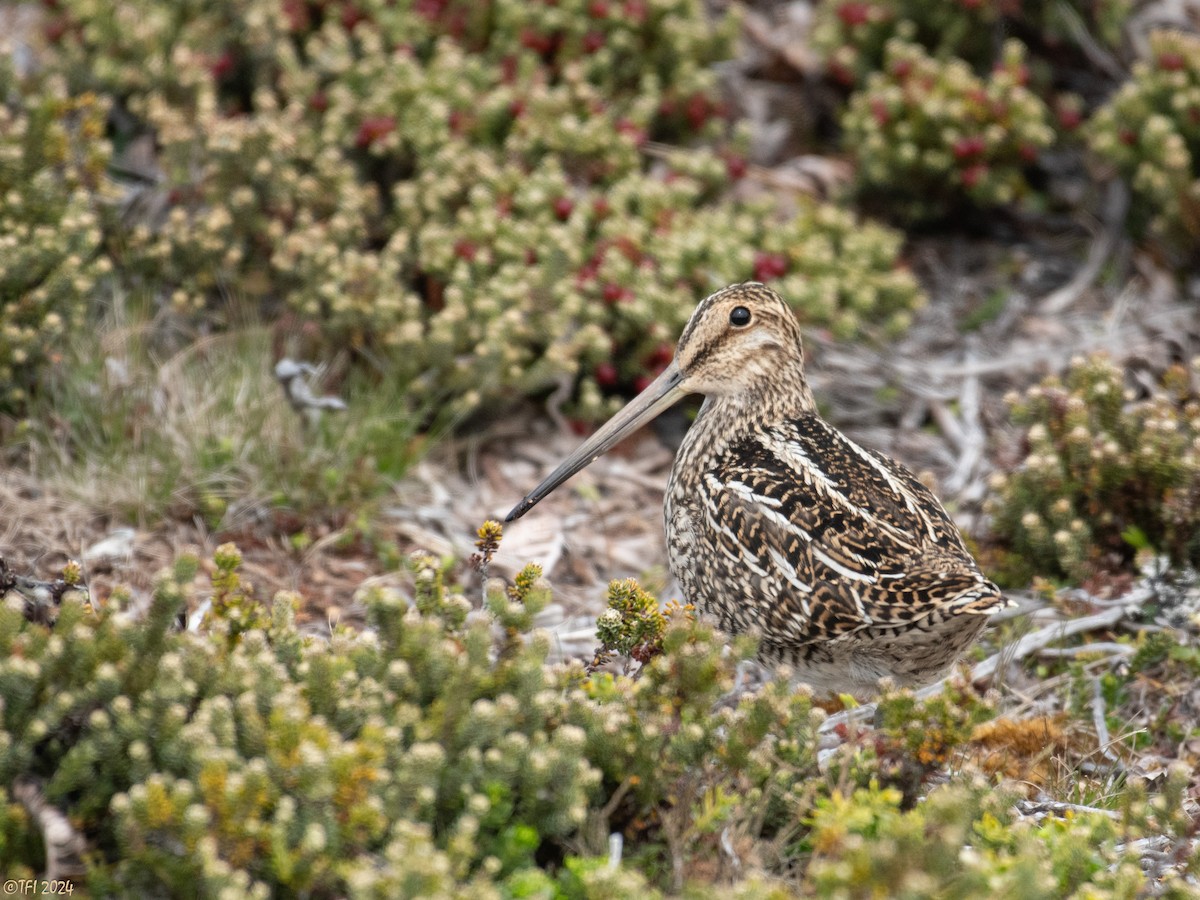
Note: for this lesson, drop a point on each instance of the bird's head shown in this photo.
(741, 343)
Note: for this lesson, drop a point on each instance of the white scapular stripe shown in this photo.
(792, 454)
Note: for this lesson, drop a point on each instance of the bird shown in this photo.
(846, 567)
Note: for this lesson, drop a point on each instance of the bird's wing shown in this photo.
(840, 538)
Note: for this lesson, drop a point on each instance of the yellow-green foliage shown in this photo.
(52, 162)
(633, 624)
(851, 34)
(435, 754)
(1102, 477)
(1150, 131)
(930, 135)
(962, 841)
(462, 188)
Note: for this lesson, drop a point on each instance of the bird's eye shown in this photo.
(739, 317)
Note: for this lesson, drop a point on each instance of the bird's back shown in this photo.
(838, 556)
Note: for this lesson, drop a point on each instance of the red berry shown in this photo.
(632, 131)
(880, 112)
(1127, 137)
(587, 272)
(55, 29)
(351, 16)
(296, 13)
(606, 375)
(222, 65)
(972, 175)
(531, 256)
(735, 166)
(374, 129)
(635, 11)
(769, 265)
(319, 102)
(601, 208)
(431, 9)
(465, 249)
(593, 41)
(612, 293)
(853, 14)
(641, 383)
(1028, 152)
(1170, 62)
(598, 9)
(1069, 118)
(536, 41)
(508, 69)
(840, 73)
(697, 110)
(967, 148)
(660, 357)
(457, 23)
(580, 427)
(901, 69)
(562, 208)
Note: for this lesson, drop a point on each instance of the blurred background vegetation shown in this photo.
(465, 211)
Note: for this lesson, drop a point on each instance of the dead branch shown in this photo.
(64, 845)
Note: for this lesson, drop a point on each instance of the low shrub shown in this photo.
(439, 753)
(930, 137)
(1149, 131)
(1102, 477)
(53, 157)
(467, 197)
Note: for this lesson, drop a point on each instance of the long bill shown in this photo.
(662, 392)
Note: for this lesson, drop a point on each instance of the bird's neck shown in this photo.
(725, 418)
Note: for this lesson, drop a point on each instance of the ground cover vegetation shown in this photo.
(454, 205)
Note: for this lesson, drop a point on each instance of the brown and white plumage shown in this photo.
(847, 567)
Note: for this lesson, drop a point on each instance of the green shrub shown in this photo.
(463, 195)
(963, 841)
(930, 137)
(53, 157)
(851, 34)
(438, 753)
(1101, 477)
(1150, 132)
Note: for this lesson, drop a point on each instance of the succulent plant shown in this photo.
(851, 34)
(1149, 131)
(930, 136)
(1103, 476)
(464, 196)
(438, 751)
(53, 156)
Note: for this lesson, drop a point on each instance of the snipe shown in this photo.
(844, 563)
